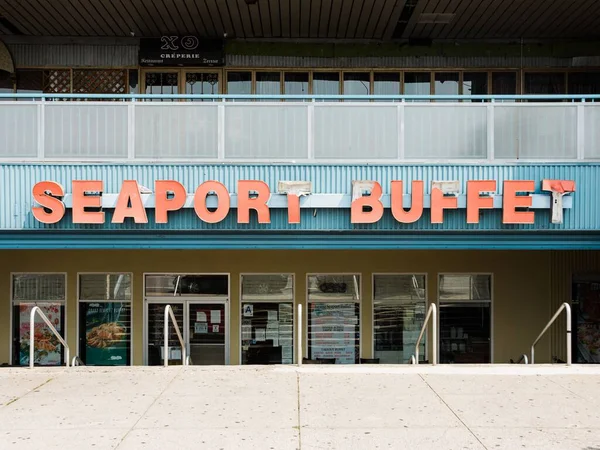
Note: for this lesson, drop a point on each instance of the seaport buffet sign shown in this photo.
(212, 201)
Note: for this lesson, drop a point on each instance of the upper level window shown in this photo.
(552, 83)
(239, 83)
(475, 83)
(446, 83)
(357, 83)
(387, 83)
(417, 83)
(583, 83)
(326, 83)
(295, 83)
(6, 83)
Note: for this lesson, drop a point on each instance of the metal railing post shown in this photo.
(431, 314)
(567, 308)
(169, 315)
(36, 310)
(299, 335)
(310, 129)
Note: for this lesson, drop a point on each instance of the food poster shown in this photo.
(334, 332)
(48, 349)
(107, 333)
(269, 327)
(586, 312)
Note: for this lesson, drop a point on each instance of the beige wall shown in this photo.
(521, 283)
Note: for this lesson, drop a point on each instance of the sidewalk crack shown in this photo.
(453, 412)
(298, 406)
(147, 409)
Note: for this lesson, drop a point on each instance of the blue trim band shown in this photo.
(305, 241)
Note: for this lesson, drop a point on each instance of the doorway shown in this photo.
(465, 319)
(586, 320)
(200, 304)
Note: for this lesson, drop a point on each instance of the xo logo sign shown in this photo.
(186, 42)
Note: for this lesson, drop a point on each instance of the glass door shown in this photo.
(207, 333)
(199, 303)
(202, 83)
(180, 81)
(155, 329)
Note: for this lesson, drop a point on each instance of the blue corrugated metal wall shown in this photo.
(18, 180)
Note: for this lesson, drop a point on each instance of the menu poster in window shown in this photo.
(334, 331)
(47, 347)
(106, 333)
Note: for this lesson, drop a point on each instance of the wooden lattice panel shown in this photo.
(93, 81)
(57, 81)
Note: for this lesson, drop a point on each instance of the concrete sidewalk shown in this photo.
(312, 407)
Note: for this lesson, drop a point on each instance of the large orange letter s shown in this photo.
(44, 194)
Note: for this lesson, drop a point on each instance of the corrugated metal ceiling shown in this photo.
(323, 19)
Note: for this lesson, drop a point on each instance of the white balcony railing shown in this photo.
(377, 129)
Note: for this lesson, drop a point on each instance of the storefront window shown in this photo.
(334, 318)
(398, 312)
(105, 319)
(48, 291)
(187, 285)
(267, 319)
(465, 318)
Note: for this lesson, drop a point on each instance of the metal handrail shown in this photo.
(189, 361)
(567, 308)
(523, 358)
(299, 338)
(77, 361)
(431, 313)
(38, 311)
(169, 314)
(591, 97)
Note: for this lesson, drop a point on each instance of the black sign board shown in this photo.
(181, 51)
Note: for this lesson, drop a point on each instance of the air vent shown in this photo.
(5, 23)
(438, 18)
